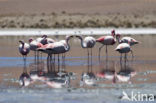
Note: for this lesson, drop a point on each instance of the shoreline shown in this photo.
(76, 31)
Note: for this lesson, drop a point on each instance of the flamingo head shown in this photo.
(44, 36)
(118, 37)
(30, 40)
(135, 41)
(21, 41)
(69, 36)
(113, 33)
(78, 36)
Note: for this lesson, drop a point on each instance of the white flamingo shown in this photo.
(131, 41)
(24, 49)
(45, 40)
(124, 48)
(88, 43)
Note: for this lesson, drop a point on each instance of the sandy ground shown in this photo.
(78, 6)
(77, 13)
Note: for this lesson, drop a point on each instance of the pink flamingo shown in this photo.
(56, 48)
(106, 40)
(34, 44)
(88, 43)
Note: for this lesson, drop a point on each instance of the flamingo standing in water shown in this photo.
(34, 44)
(131, 41)
(106, 40)
(88, 43)
(24, 49)
(124, 48)
(56, 48)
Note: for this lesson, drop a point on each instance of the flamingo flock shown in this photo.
(52, 48)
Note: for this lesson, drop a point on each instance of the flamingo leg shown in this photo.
(51, 62)
(24, 59)
(41, 56)
(88, 59)
(121, 60)
(58, 62)
(100, 51)
(64, 62)
(35, 57)
(48, 62)
(91, 60)
(125, 59)
(54, 63)
(132, 55)
(106, 53)
(59, 69)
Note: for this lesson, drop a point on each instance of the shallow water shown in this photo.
(11, 67)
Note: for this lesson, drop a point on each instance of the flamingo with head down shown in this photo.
(129, 40)
(59, 47)
(24, 49)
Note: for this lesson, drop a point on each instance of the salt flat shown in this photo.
(84, 31)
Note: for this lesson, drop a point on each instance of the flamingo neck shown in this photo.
(22, 45)
(68, 45)
(118, 39)
(82, 42)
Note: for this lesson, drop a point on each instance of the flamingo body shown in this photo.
(24, 48)
(129, 40)
(106, 40)
(34, 44)
(49, 40)
(53, 48)
(123, 48)
(89, 42)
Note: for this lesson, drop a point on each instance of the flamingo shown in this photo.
(34, 44)
(131, 41)
(124, 48)
(59, 47)
(24, 49)
(88, 43)
(45, 40)
(106, 40)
